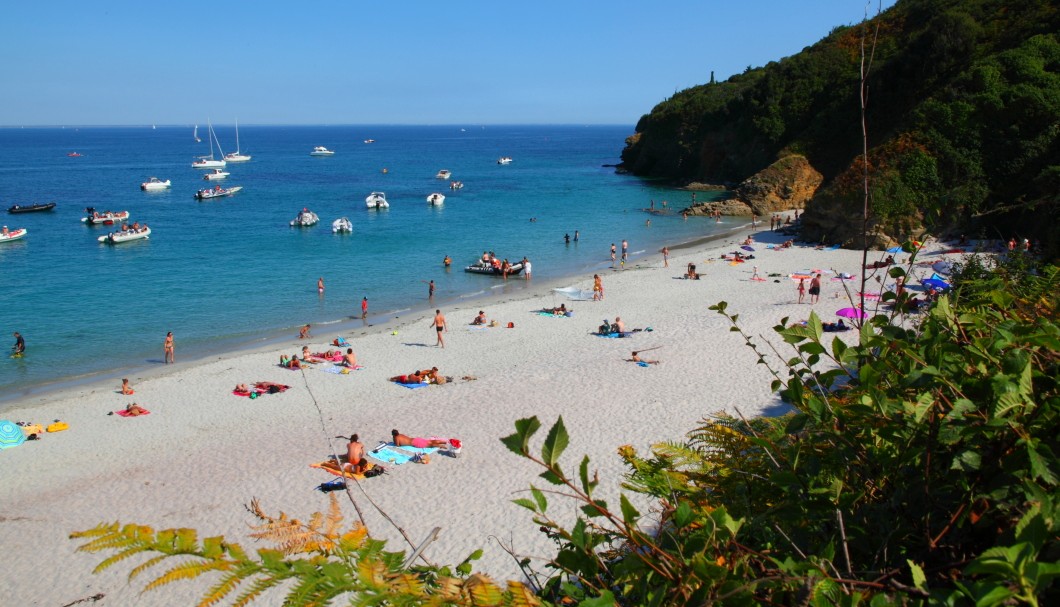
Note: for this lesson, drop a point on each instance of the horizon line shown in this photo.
(324, 124)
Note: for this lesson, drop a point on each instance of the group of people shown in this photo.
(423, 376)
(349, 359)
(612, 327)
(135, 227)
(815, 288)
(357, 462)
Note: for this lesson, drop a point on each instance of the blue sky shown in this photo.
(384, 62)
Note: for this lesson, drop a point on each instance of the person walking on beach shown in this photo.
(754, 274)
(320, 285)
(625, 251)
(598, 288)
(168, 348)
(613, 254)
(815, 289)
(666, 257)
(430, 290)
(364, 308)
(801, 288)
(20, 345)
(440, 327)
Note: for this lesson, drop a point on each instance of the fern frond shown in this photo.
(483, 591)
(255, 590)
(521, 596)
(186, 571)
(335, 518)
(151, 562)
(121, 556)
(228, 583)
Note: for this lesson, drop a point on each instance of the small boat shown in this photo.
(504, 160)
(483, 267)
(444, 174)
(74, 155)
(32, 208)
(435, 199)
(369, 140)
(9, 235)
(305, 219)
(154, 184)
(236, 156)
(195, 134)
(125, 236)
(376, 200)
(456, 185)
(105, 218)
(321, 151)
(208, 162)
(216, 174)
(342, 224)
(216, 192)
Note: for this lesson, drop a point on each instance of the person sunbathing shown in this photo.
(242, 389)
(134, 409)
(270, 386)
(350, 359)
(480, 319)
(125, 387)
(432, 376)
(635, 358)
(560, 311)
(411, 378)
(290, 362)
(401, 440)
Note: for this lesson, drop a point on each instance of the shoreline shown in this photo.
(40, 393)
(202, 452)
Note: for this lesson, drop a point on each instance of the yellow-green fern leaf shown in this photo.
(186, 571)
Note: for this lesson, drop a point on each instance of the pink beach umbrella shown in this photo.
(850, 313)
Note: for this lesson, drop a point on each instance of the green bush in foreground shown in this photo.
(916, 468)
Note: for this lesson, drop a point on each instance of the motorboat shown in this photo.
(125, 236)
(236, 156)
(74, 155)
(32, 208)
(369, 140)
(435, 199)
(9, 235)
(342, 224)
(444, 174)
(105, 218)
(321, 151)
(305, 219)
(216, 174)
(216, 192)
(208, 162)
(456, 185)
(154, 184)
(504, 160)
(377, 200)
(485, 267)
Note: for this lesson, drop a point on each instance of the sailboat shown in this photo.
(236, 156)
(195, 134)
(208, 162)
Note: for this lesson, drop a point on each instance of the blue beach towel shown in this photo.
(478, 328)
(338, 369)
(390, 455)
(642, 364)
(614, 335)
(417, 450)
(413, 386)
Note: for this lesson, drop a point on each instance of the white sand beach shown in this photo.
(203, 453)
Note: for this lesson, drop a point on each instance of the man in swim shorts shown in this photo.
(355, 460)
(440, 327)
(20, 344)
(364, 308)
(401, 440)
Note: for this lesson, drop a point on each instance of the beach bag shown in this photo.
(511, 325)
(274, 389)
(374, 471)
(455, 446)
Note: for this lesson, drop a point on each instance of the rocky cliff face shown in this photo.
(788, 183)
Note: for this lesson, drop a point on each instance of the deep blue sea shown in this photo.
(231, 272)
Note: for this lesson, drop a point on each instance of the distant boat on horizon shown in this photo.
(236, 156)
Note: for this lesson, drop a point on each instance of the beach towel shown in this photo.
(416, 450)
(551, 315)
(642, 364)
(332, 467)
(758, 279)
(125, 413)
(614, 335)
(258, 392)
(413, 386)
(339, 370)
(478, 328)
(390, 455)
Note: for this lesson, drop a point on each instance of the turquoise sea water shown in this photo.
(231, 272)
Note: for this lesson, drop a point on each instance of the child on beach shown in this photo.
(125, 387)
(304, 333)
(802, 288)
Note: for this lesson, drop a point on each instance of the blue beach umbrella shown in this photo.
(10, 434)
(747, 248)
(935, 283)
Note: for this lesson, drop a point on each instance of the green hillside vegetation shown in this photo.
(963, 121)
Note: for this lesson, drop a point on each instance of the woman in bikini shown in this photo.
(168, 348)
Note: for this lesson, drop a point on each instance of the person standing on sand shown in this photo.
(168, 348)
(801, 288)
(754, 274)
(320, 285)
(815, 289)
(364, 308)
(440, 327)
(598, 288)
(666, 257)
(355, 461)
